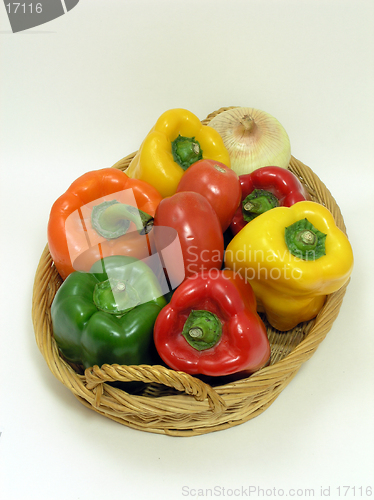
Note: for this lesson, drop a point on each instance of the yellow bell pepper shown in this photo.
(177, 140)
(293, 257)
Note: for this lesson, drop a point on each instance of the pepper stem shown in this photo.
(305, 241)
(258, 202)
(307, 237)
(186, 151)
(111, 219)
(196, 333)
(219, 169)
(202, 330)
(115, 296)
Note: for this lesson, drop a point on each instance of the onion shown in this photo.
(253, 139)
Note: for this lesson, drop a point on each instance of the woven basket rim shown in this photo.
(200, 407)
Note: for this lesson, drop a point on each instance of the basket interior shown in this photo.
(282, 343)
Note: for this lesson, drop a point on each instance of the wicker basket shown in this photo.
(175, 403)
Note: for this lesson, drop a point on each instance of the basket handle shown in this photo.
(96, 376)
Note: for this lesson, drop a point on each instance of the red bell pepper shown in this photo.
(264, 189)
(211, 327)
(218, 183)
(199, 231)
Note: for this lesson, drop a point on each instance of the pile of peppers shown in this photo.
(177, 259)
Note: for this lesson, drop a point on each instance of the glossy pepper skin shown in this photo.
(282, 188)
(218, 184)
(93, 326)
(211, 327)
(291, 287)
(73, 242)
(199, 231)
(177, 140)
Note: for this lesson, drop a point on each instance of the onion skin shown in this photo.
(253, 138)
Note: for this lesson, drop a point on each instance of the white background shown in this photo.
(81, 92)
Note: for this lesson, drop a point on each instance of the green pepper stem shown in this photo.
(202, 330)
(186, 151)
(111, 219)
(195, 333)
(258, 202)
(115, 296)
(303, 240)
(307, 238)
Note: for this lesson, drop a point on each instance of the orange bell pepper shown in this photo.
(73, 242)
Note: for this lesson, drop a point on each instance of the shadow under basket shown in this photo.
(175, 403)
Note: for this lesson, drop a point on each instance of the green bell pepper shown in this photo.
(107, 315)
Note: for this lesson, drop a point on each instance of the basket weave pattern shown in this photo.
(176, 403)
